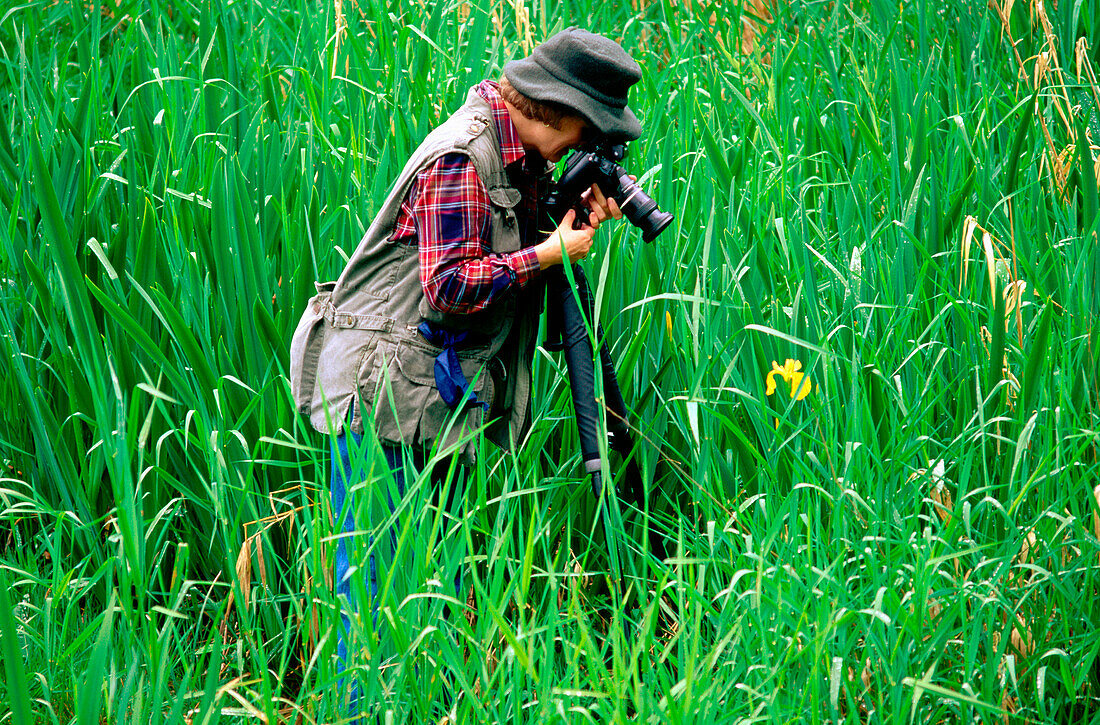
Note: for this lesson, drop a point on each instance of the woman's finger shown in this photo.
(598, 197)
(613, 207)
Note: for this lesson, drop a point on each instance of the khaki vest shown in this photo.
(357, 341)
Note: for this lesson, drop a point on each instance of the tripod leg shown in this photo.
(618, 426)
(577, 349)
(575, 305)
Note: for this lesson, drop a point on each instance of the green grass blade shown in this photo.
(17, 695)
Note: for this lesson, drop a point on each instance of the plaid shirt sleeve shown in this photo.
(449, 208)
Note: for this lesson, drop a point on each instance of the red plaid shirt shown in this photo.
(447, 214)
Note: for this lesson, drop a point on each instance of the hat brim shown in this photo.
(533, 81)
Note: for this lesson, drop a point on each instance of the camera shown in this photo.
(597, 163)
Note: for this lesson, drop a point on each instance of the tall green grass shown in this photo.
(913, 541)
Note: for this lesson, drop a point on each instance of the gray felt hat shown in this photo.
(586, 72)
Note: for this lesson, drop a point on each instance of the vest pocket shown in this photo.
(505, 233)
(407, 406)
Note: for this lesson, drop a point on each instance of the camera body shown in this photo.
(597, 163)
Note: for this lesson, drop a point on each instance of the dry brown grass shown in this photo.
(737, 29)
(1045, 75)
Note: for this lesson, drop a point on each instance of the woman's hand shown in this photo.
(600, 206)
(576, 242)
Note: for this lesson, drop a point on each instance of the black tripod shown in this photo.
(569, 319)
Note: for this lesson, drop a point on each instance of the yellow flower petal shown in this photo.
(800, 389)
(794, 380)
(776, 370)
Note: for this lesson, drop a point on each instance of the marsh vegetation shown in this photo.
(863, 366)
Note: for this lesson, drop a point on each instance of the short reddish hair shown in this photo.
(548, 112)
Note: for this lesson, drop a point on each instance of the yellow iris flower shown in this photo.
(790, 373)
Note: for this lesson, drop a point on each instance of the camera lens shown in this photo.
(641, 210)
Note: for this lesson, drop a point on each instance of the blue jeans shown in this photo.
(350, 466)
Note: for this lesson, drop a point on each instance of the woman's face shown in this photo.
(553, 143)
